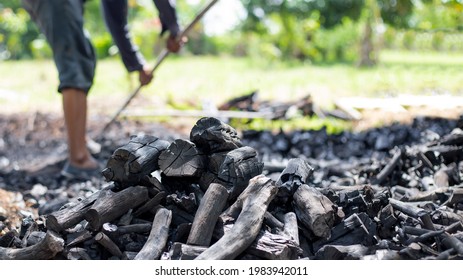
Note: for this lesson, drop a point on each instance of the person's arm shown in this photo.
(115, 16)
(168, 16)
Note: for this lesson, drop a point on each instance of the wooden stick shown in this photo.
(387, 170)
(150, 204)
(73, 214)
(290, 227)
(157, 239)
(314, 210)
(209, 210)
(46, 249)
(108, 244)
(251, 206)
(111, 205)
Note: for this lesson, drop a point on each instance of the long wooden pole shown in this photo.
(160, 59)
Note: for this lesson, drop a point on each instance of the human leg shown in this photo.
(61, 21)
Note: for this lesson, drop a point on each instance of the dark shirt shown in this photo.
(115, 15)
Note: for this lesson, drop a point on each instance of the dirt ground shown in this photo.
(33, 151)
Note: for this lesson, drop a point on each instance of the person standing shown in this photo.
(62, 23)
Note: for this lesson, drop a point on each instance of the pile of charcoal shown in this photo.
(389, 193)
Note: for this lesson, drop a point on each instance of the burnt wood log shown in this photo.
(78, 238)
(108, 244)
(414, 212)
(291, 228)
(456, 196)
(451, 242)
(111, 205)
(271, 246)
(447, 176)
(212, 135)
(248, 210)
(209, 210)
(46, 249)
(356, 229)
(445, 218)
(129, 164)
(77, 253)
(296, 173)
(182, 251)
(389, 168)
(237, 168)
(157, 240)
(150, 204)
(314, 210)
(273, 222)
(72, 213)
(182, 159)
(125, 219)
(341, 252)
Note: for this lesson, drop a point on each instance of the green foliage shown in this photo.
(331, 125)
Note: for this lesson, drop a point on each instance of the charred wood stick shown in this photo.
(450, 241)
(182, 251)
(445, 255)
(314, 210)
(136, 228)
(209, 210)
(111, 205)
(150, 204)
(130, 163)
(342, 252)
(126, 219)
(77, 253)
(81, 237)
(413, 211)
(251, 206)
(73, 214)
(157, 239)
(272, 221)
(108, 244)
(274, 247)
(425, 236)
(387, 170)
(290, 227)
(456, 196)
(46, 249)
(445, 217)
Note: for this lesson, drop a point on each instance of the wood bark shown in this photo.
(111, 205)
(249, 210)
(237, 168)
(314, 210)
(133, 161)
(73, 213)
(157, 240)
(182, 159)
(209, 210)
(46, 249)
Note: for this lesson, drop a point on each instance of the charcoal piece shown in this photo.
(296, 173)
(342, 252)
(248, 213)
(212, 135)
(356, 229)
(130, 163)
(108, 244)
(111, 205)
(211, 207)
(182, 251)
(182, 159)
(157, 239)
(46, 249)
(186, 202)
(314, 210)
(271, 246)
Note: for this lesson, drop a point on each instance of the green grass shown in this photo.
(194, 80)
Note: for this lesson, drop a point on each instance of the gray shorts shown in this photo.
(61, 21)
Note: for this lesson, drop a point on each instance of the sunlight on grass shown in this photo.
(196, 80)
